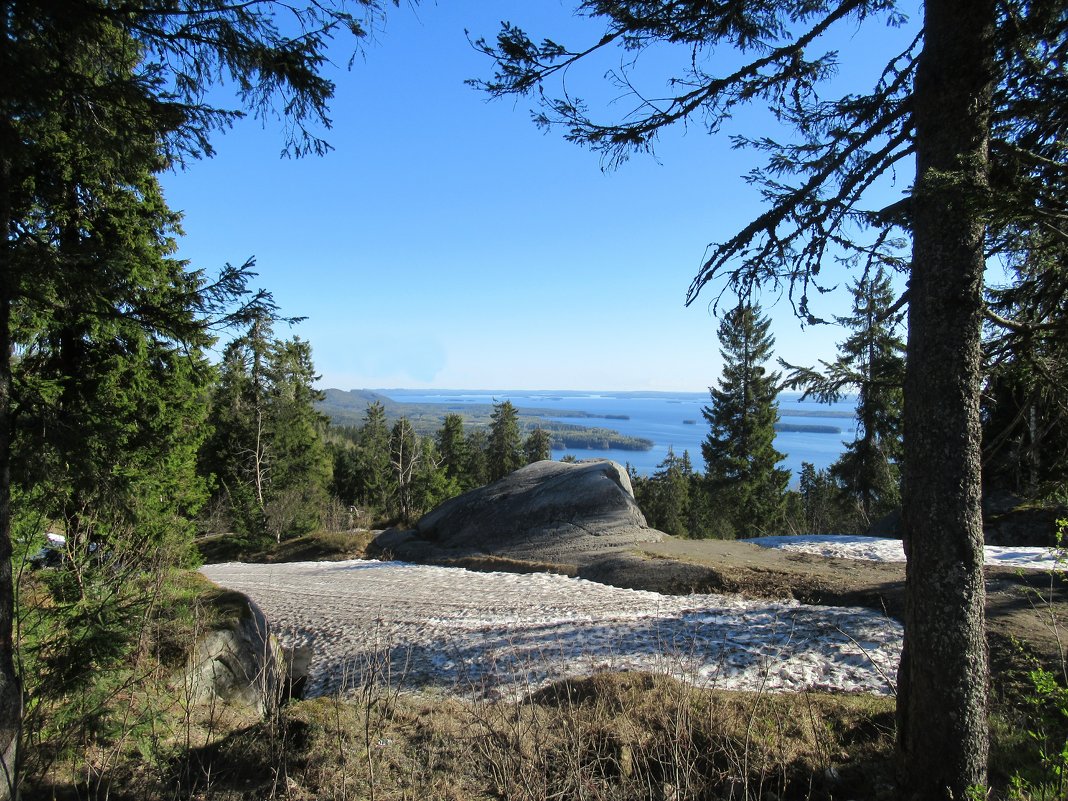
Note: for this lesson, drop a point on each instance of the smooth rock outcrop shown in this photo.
(548, 511)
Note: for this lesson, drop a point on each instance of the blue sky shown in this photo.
(446, 242)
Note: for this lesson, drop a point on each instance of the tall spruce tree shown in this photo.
(267, 449)
(372, 446)
(505, 447)
(975, 99)
(302, 470)
(451, 446)
(90, 91)
(871, 361)
(746, 486)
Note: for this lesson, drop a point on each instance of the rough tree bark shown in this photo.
(942, 701)
(10, 693)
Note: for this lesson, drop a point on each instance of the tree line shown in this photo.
(743, 491)
(397, 474)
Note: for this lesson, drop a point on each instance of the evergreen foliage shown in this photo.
(267, 450)
(537, 446)
(1025, 398)
(452, 447)
(821, 510)
(405, 458)
(745, 485)
(94, 321)
(505, 447)
(664, 497)
(476, 464)
(872, 362)
(372, 445)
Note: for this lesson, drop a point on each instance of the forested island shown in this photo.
(348, 409)
(807, 428)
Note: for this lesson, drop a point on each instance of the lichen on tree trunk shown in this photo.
(942, 702)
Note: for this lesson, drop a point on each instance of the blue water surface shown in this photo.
(668, 419)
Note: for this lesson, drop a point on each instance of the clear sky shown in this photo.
(446, 242)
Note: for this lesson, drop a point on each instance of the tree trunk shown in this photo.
(942, 686)
(10, 691)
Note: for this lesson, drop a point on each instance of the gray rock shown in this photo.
(545, 512)
(237, 660)
(1007, 520)
(1010, 520)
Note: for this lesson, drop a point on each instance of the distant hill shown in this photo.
(347, 408)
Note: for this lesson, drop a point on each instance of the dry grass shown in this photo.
(612, 736)
(319, 546)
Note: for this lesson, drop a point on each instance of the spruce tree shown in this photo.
(302, 470)
(871, 360)
(267, 450)
(433, 485)
(537, 446)
(1025, 395)
(745, 485)
(476, 463)
(664, 497)
(372, 444)
(505, 448)
(451, 446)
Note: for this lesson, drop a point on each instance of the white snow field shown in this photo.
(474, 633)
(878, 549)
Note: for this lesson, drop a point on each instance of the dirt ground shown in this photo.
(1024, 607)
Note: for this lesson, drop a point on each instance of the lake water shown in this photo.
(662, 418)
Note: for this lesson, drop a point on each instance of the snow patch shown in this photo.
(485, 634)
(879, 549)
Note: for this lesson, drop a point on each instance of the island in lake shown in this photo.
(349, 408)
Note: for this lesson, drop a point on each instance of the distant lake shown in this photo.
(668, 419)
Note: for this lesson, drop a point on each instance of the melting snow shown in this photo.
(484, 633)
(878, 549)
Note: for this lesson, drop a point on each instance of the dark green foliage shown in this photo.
(347, 408)
(1025, 399)
(537, 446)
(505, 448)
(395, 473)
(872, 362)
(664, 497)
(744, 484)
(372, 445)
(476, 461)
(405, 457)
(267, 451)
(452, 447)
(101, 334)
(821, 504)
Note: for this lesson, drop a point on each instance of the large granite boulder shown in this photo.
(1008, 520)
(549, 512)
(236, 660)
